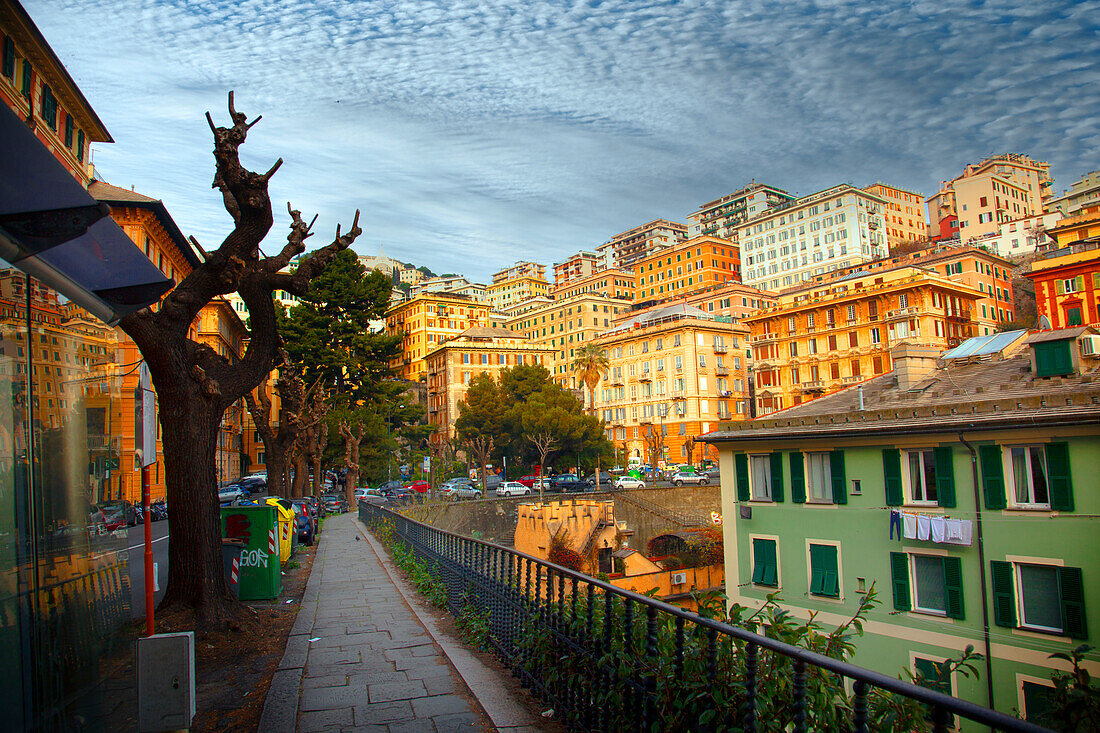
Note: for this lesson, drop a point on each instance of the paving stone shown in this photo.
(429, 707)
(457, 722)
(441, 685)
(383, 712)
(297, 649)
(416, 726)
(389, 691)
(332, 680)
(428, 669)
(330, 698)
(322, 720)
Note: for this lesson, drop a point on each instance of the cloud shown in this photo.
(475, 132)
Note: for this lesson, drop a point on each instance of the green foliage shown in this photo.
(1074, 703)
(473, 625)
(526, 401)
(424, 578)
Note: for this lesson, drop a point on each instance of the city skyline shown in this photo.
(474, 135)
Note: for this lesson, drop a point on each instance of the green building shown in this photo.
(965, 487)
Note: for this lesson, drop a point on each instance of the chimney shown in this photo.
(913, 363)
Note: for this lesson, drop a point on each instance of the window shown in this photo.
(929, 591)
(702, 360)
(824, 571)
(9, 58)
(920, 475)
(928, 675)
(1039, 597)
(1026, 474)
(936, 586)
(760, 480)
(818, 477)
(1053, 358)
(48, 107)
(765, 565)
(1036, 701)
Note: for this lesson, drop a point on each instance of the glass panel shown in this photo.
(1040, 597)
(761, 475)
(818, 477)
(929, 458)
(928, 576)
(1019, 475)
(915, 484)
(1039, 492)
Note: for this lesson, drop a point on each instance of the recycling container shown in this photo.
(256, 529)
(286, 529)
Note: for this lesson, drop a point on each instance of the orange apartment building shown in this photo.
(1084, 225)
(822, 338)
(612, 282)
(580, 265)
(626, 248)
(732, 300)
(686, 267)
(427, 321)
(674, 369)
(1067, 284)
(476, 351)
(904, 214)
(968, 264)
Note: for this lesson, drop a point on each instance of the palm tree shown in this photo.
(589, 364)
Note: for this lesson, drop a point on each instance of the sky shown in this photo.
(474, 133)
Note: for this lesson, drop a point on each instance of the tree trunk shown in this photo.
(318, 458)
(301, 469)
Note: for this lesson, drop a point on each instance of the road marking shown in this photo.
(158, 539)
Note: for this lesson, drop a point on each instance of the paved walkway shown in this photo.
(360, 658)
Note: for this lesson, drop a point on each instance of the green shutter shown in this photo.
(765, 569)
(9, 58)
(993, 476)
(1073, 603)
(777, 477)
(891, 470)
(899, 576)
(840, 486)
(824, 575)
(1004, 600)
(26, 79)
(945, 477)
(68, 130)
(1061, 484)
(952, 584)
(741, 463)
(798, 478)
(1053, 358)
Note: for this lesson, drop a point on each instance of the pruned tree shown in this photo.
(278, 441)
(353, 436)
(690, 445)
(544, 443)
(481, 448)
(194, 384)
(655, 444)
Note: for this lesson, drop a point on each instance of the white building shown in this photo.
(1022, 236)
(838, 227)
(454, 284)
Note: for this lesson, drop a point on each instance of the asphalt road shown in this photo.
(135, 544)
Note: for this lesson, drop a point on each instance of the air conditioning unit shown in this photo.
(679, 578)
(1090, 346)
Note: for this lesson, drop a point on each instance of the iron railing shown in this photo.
(604, 658)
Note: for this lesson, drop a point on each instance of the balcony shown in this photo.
(852, 379)
(616, 381)
(899, 313)
(816, 385)
(722, 371)
(764, 338)
(645, 377)
(720, 349)
(724, 415)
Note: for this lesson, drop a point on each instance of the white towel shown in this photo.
(939, 529)
(924, 527)
(909, 526)
(954, 530)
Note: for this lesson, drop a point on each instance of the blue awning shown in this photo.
(52, 229)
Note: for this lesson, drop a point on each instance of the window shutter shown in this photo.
(899, 575)
(777, 476)
(741, 463)
(1004, 601)
(765, 568)
(798, 478)
(1079, 282)
(1061, 484)
(891, 470)
(1059, 287)
(952, 584)
(840, 486)
(993, 477)
(945, 477)
(817, 570)
(9, 58)
(1073, 603)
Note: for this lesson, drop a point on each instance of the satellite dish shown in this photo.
(1044, 323)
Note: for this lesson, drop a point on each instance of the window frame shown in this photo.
(835, 544)
(1017, 580)
(826, 473)
(1010, 476)
(906, 479)
(765, 458)
(914, 587)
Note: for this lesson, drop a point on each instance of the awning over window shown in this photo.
(52, 229)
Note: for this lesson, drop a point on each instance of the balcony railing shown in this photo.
(720, 349)
(912, 310)
(605, 658)
(722, 371)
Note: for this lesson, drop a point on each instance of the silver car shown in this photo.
(512, 488)
(629, 482)
(458, 491)
(680, 478)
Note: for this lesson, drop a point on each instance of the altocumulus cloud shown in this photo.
(476, 132)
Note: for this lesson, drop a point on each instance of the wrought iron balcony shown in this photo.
(897, 313)
(605, 658)
(722, 371)
(720, 349)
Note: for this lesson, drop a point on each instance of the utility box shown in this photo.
(286, 530)
(256, 528)
(166, 681)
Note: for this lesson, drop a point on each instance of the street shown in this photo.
(135, 544)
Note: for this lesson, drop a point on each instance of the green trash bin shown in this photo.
(255, 526)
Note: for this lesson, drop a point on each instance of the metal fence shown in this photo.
(604, 658)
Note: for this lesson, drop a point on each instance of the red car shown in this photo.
(528, 481)
(420, 487)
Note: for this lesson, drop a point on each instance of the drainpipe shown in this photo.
(981, 571)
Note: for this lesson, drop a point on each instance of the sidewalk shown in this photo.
(360, 657)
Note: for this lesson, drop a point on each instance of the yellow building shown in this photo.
(822, 338)
(904, 214)
(729, 300)
(565, 326)
(580, 265)
(686, 267)
(585, 526)
(1067, 284)
(612, 282)
(673, 369)
(506, 293)
(523, 268)
(1072, 229)
(425, 322)
(476, 351)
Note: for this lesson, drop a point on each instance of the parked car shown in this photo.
(305, 523)
(458, 491)
(420, 487)
(254, 484)
(629, 482)
(568, 482)
(392, 486)
(512, 488)
(605, 480)
(492, 481)
(233, 493)
(527, 481)
(117, 514)
(681, 478)
(335, 504)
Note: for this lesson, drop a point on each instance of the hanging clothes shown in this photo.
(895, 522)
(909, 525)
(959, 532)
(939, 529)
(924, 527)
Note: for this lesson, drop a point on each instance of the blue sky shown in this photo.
(473, 133)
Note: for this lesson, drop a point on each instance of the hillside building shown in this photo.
(626, 248)
(903, 215)
(723, 217)
(1067, 284)
(427, 321)
(684, 268)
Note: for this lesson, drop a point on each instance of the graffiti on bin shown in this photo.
(254, 559)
